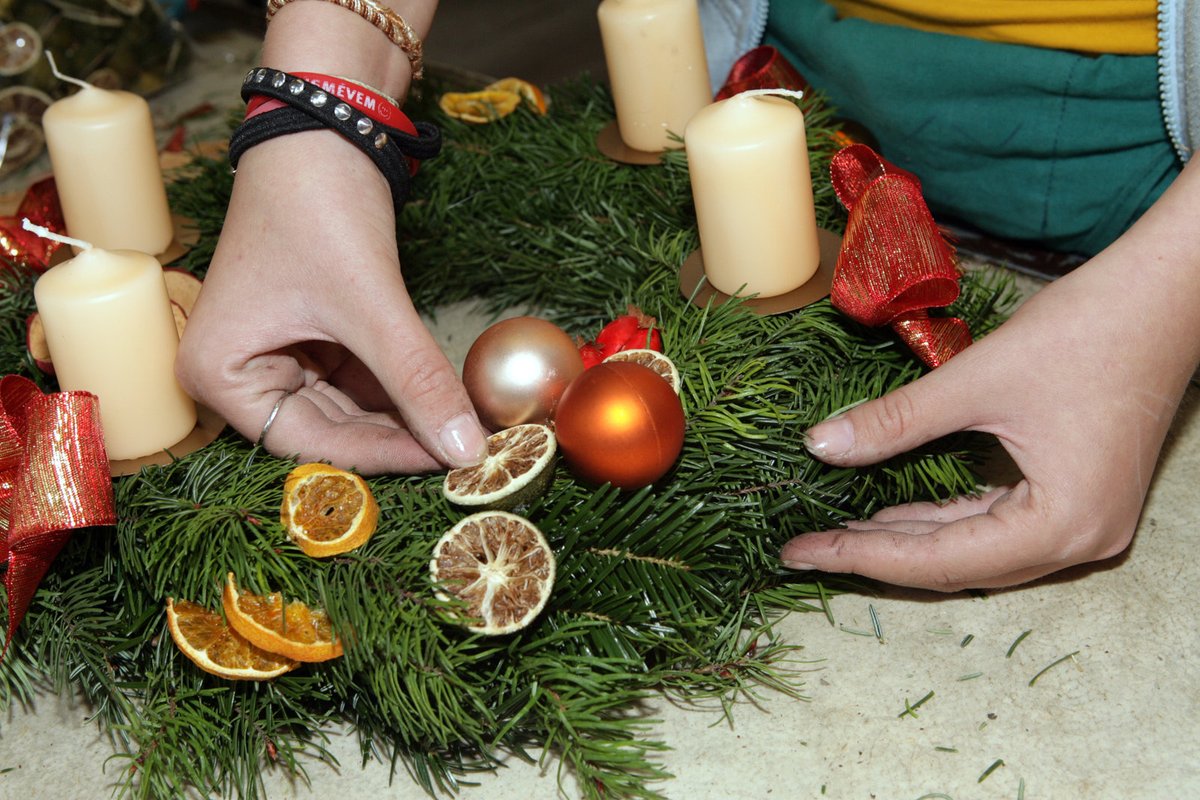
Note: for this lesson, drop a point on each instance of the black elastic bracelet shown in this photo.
(309, 107)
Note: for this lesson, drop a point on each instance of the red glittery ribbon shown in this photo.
(762, 68)
(54, 478)
(895, 264)
(40, 204)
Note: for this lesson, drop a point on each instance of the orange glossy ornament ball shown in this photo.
(517, 369)
(620, 423)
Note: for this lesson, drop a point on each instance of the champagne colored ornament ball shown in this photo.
(517, 369)
(620, 423)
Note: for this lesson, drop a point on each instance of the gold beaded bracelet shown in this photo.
(393, 26)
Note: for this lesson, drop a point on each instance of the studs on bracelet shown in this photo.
(321, 98)
(310, 102)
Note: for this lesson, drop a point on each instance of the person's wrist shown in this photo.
(281, 174)
(301, 34)
(395, 148)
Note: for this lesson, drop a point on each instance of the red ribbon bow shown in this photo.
(54, 477)
(761, 68)
(894, 264)
(40, 204)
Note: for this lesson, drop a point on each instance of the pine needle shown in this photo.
(674, 587)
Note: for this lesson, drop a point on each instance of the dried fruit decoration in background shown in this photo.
(479, 107)
(20, 48)
(495, 101)
(21, 107)
(326, 510)
(112, 44)
(529, 94)
(500, 565)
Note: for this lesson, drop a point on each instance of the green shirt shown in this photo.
(1021, 142)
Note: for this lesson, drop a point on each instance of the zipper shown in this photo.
(1171, 73)
(759, 26)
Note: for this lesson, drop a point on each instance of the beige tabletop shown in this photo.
(1115, 716)
(1115, 719)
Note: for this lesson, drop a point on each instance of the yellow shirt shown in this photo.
(1128, 27)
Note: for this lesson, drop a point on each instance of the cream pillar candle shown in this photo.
(657, 68)
(748, 162)
(110, 331)
(105, 163)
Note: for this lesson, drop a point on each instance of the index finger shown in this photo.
(425, 388)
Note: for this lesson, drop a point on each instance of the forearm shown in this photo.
(1150, 277)
(322, 37)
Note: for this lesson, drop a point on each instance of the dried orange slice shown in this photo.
(523, 89)
(479, 107)
(518, 468)
(214, 647)
(653, 359)
(294, 631)
(327, 510)
(500, 565)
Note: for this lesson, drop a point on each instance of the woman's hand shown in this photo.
(305, 302)
(1080, 387)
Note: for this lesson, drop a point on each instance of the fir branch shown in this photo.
(673, 587)
(16, 304)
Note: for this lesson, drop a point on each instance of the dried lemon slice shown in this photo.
(531, 94)
(653, 359)
(214, 647)
(517, 469)
(500, 565)
(479, 107)
(327, 510)
(294, 631)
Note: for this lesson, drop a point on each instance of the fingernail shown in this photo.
(463, 441)
(788, 561)
(832, 438)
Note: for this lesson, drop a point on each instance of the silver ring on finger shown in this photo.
(271, 417)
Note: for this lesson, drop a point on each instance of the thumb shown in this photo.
(918, 412)
(427, 391)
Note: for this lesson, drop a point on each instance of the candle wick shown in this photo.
(777, 92)
(61, 77)
(46, 233)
